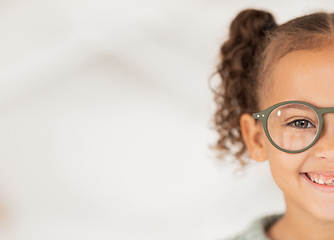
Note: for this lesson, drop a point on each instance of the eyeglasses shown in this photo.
(293, 126)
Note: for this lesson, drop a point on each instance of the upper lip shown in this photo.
(320, 172)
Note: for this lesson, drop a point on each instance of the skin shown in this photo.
(305, 75)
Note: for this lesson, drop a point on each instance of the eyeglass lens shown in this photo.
(293, 126)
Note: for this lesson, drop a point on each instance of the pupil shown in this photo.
(301, 123)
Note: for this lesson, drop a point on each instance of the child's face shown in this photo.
(306, 76)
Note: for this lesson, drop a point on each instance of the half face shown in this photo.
(305, 178)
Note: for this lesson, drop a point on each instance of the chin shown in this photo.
(324, 213)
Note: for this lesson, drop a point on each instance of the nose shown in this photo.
(324, 147)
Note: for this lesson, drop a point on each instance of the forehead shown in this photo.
(305, 75)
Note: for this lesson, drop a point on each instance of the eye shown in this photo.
(301, 123)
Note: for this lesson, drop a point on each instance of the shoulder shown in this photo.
(257, 229)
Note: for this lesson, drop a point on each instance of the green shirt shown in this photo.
(257, 229)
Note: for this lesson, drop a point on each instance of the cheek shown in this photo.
(285, 168)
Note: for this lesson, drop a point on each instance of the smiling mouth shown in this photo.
(320, 179)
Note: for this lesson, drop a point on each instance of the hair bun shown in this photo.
(247, 31)
(251, 24)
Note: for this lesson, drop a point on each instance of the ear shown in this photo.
(253, 136)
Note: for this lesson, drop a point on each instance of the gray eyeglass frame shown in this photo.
(263, 117)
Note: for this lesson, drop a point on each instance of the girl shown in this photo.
(276, 99)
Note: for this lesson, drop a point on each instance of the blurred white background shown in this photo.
(105, 116)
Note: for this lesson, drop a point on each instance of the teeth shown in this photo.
(328, 182)
(321, 181)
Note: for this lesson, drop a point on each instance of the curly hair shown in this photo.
(247, 58)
